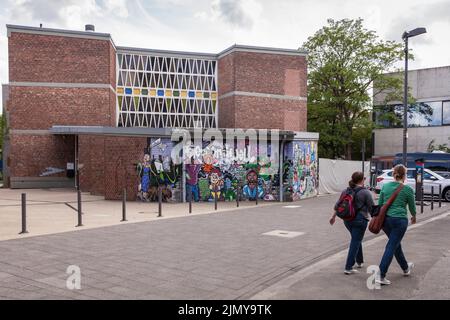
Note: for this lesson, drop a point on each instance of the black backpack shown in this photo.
(345, 207)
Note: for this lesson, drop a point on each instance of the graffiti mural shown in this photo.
(226, 172)
(300, 169)
(158, 170)
(219, 170)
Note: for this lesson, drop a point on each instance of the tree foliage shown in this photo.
(344, 61)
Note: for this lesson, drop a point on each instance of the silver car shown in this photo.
(430, 179)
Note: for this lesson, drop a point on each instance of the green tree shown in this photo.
(344, 61)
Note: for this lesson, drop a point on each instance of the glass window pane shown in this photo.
(446, 112)
(425, 114)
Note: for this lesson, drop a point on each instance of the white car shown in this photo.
(430, 179)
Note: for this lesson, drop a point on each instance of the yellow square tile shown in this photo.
(120, 90)
(137, 91)
(168, 93)
(183, 94)
(152, 92)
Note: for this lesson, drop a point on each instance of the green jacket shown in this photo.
(398, 207)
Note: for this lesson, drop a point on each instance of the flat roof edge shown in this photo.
(259, 49)
(166, 52)
(64, 32)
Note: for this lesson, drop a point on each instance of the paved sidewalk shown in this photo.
(227, 255)
(427, 244)
(52, 211)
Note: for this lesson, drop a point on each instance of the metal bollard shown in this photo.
(159, 201)
(80, 221)
(432, 197)
(124, 206)
(237, 195)
(190, 199)
(24, 214)
(215, 199)
(421, 200)
(440, 196)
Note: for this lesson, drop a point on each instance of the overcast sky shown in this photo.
(213, 25)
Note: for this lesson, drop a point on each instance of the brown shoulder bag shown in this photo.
(376, 224)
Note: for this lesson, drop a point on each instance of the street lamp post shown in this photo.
(406, 35)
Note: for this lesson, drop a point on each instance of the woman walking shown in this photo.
(396, 222)
(363, 203)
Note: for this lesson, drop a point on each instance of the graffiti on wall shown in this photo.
(301, 169)
(157, 169)
(225, 172)
(218, 170)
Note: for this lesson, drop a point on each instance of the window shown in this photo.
(428, 176)
(411, 174)
(420, 114)
(446, 112)
(425, 114)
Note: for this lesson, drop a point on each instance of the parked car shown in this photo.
(430, 179)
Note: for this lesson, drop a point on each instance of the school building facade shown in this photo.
(76, 100)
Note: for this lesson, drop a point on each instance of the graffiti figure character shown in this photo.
(252, 190)
(192, 172)
(215, 183)
(144, 175)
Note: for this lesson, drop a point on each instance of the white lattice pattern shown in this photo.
(160, 91)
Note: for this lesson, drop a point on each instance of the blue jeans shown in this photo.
(357, 228)
(194, 191)
(395, 229)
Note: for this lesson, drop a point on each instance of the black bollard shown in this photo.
(237, 195)
(432, 197)
(190, 199)
(421, 199)
(124, 206)
(440, 196)
(24, 214)
(80, 221)
(215, 198)
(159, 201)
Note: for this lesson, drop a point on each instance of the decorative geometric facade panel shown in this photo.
(159, 91)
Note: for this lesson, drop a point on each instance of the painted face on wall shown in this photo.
(146, 158)
(252, 178)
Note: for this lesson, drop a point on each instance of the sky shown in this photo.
(212, 25)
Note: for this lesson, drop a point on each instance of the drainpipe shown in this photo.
(281, 194)
(77, 179)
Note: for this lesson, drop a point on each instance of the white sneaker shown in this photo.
(407, 272)
(351, 271)
(359, 265)
(383, 281)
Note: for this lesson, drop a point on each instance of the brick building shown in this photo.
(76, 100)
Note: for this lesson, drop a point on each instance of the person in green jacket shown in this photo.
(396, 222)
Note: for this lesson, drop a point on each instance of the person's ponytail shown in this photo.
(357, 178)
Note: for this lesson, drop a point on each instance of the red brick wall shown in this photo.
(30, 155)
(226, 112)
(92, 158)
(268, 113)
(263, 73)
(121, 156)
(226, 75)
(43, 107)
(109, 165)
(49, 58)
(59, 59)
